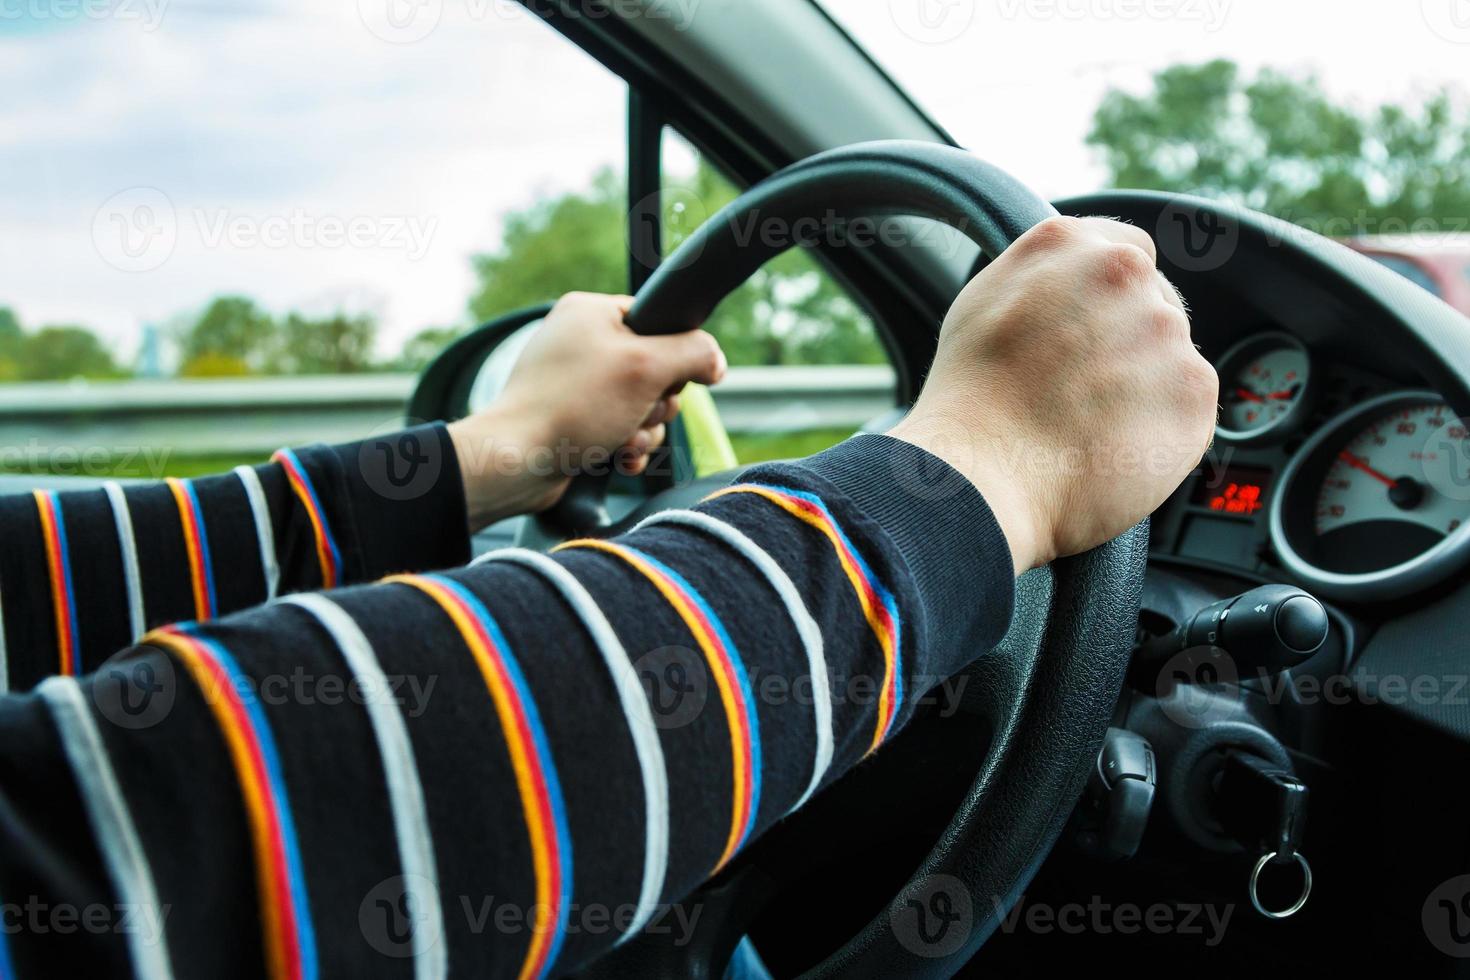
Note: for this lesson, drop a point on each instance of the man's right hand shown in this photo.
(1067, 389)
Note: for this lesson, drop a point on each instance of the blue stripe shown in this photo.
(306, 932)
(543, 752)
(71, 596)
(7, 965)
(321, 513)
(884, 596)
(203, 546)
(738, 665)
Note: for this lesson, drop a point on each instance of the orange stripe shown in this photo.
(257, 809)
(60, 599)
(871, 611)
(318, 525)
(191, 545)
(734, 716)
(521, 761)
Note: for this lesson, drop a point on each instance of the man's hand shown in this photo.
(1067, 389)
(585, 389)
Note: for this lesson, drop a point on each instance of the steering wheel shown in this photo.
(1050, 688)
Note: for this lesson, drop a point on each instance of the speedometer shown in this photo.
(1263, 387)
(1377, 504)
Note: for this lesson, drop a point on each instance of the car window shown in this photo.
(1409, 269)
(808, 366)
(235, 227)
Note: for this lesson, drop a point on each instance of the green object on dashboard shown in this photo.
(709, 444)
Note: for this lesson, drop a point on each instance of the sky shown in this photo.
(326, 155)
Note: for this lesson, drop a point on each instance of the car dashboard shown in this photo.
(1325, 474)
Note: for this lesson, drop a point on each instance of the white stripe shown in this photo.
(132, 579)
(112, 823)
(405, 791)
(639, 716)
(806, 627)
(264, 531)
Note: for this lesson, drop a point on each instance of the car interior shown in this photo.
(1246, 719)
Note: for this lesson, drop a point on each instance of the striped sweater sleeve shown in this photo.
(84, 574)
(500, 770)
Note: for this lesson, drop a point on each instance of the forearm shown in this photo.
(86, 573)
(522, 762)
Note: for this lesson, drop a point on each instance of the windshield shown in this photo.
(1021, 82)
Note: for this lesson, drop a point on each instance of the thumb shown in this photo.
(690, 356)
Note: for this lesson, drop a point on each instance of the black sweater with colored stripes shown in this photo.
(498, 769)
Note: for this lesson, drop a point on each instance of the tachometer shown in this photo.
(1378, 502)
(1263, 387)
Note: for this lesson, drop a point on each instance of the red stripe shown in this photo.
(283, 904)
(890, 682)
(60, 594)
(538, 775)
(737, 693)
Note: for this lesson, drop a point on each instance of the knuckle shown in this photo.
(1124, 266)
(1170, 321)
(1055, 231)
(1199, 381)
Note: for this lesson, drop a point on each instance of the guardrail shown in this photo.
(245, 416)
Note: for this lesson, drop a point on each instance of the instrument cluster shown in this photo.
(1362, 490)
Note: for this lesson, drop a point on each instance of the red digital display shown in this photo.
(1236, 490)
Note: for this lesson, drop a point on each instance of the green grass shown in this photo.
(153, 465)
(750, 447)
(757, 447)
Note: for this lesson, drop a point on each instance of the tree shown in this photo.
(569, 243)
(60, 352)
(338, 344)
(790, 312)
(12, 340)
(423, 347)
(231, 336)
(1279, 144)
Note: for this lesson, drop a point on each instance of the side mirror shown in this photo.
(470, 372)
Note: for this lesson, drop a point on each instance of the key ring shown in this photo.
(1296, 906)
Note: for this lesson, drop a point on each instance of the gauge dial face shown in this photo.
(1394, 488)
(1262, 384)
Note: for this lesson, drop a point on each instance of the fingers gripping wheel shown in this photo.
(865, 180)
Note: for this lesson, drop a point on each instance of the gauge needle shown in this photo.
(1282, 396)
(1248, 395)
(1358, 463)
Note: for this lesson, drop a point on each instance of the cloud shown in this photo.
(265, 116)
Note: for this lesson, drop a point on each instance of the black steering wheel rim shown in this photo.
(863, 181)
(1051, 686)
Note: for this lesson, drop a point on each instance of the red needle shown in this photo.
(1358, 463)
(1248, 395)
(1280, 396)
